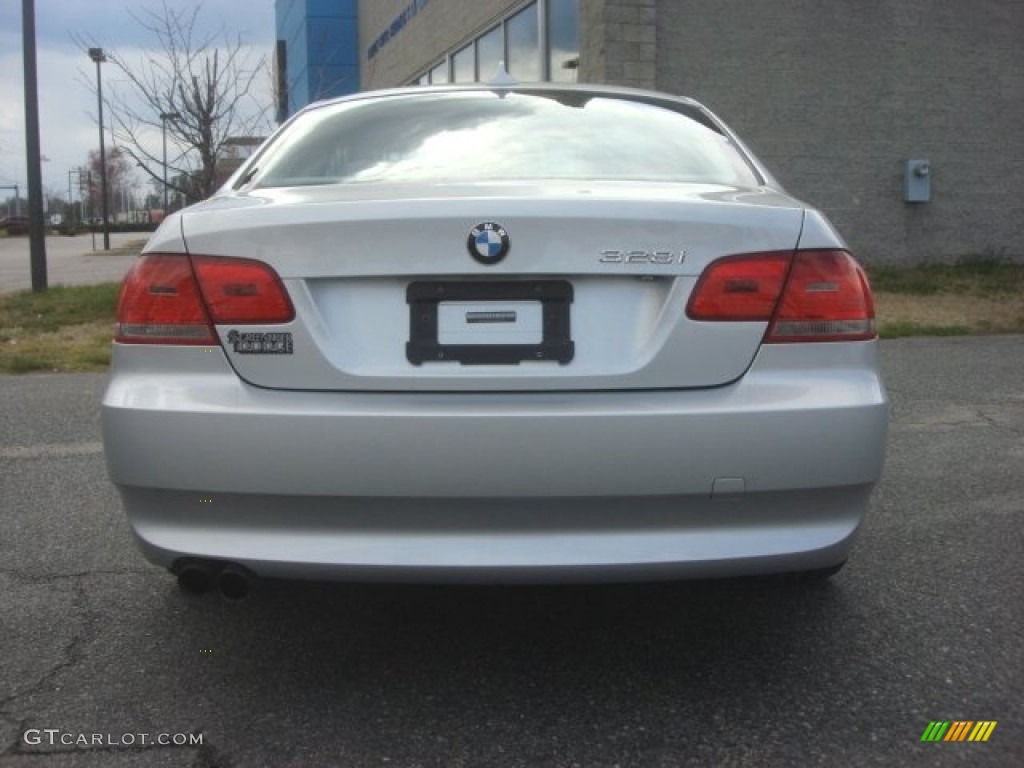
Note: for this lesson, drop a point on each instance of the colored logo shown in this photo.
(958, 730)
(488, 243)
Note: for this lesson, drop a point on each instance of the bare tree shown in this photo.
(197, 86)
(119, 181)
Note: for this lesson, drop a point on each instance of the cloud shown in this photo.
(67, 112)
(114, 22)
(67, 103)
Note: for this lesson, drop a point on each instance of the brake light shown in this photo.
(827, 298)
(740, 287)
(160, 303)
(240, 291)
(174, 299)
(806, 296)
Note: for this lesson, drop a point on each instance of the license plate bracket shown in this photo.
(424, 299)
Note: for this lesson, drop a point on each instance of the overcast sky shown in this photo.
(67, 107)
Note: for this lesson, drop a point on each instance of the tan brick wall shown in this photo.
(835, 95)
(618, 42)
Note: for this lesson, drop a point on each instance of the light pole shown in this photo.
(36, 225)
(97, 55)
(164, 117)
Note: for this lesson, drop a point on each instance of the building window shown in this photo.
(462, 66)
(563, 40)
(439, 74)
(517, 40)
(522, 33)
(490, 51)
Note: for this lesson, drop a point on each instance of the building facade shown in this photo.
(901, 119)
(537, 41)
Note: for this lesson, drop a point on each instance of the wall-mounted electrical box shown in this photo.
(917, 181)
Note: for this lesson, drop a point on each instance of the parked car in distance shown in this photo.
(496, 333)
(15, 225)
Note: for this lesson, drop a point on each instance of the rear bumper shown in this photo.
(501, 540)
(521, 486)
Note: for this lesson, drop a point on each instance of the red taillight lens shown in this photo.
(740, 287)
(807, 295)
(160, 303)
(242, 291)
(827, 298)
(163, 301)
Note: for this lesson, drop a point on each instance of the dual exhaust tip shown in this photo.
(197, 577)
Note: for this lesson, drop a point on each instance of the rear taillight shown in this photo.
(160, 303)
(826, 298)
(740, 287)
(168, 298)
(239, 291)
(805, 296)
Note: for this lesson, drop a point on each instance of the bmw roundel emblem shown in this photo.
(488, 243)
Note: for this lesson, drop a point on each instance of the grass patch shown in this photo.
(74, 348)
(972, 275)
(66, 328)
(902, 328)
(978, 294)
(57, 307)
(27, 364)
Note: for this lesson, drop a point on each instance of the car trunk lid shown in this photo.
(590, 295)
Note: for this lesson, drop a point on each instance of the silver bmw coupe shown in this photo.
(496, 334)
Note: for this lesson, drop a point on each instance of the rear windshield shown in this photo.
(486, 136)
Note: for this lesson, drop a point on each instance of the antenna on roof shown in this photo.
(502, 77)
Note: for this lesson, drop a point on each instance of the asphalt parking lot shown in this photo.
(69, 260)
(924, 624)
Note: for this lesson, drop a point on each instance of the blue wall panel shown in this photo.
(330, 42)
(322, 38)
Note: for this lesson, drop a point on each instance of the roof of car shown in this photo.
(607, 90)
